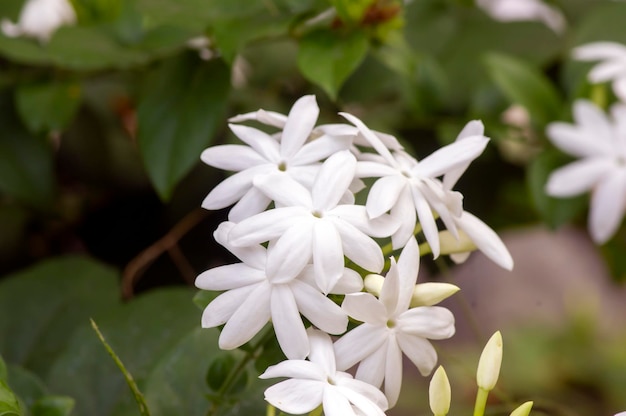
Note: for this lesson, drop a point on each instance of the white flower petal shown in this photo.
(365, 307)
(404, 212)
(356, 215)
(224, 306)
(318, 309)
(371, 138)
(360, 248)
(599, 50)
(359, 343)
(372, 368)
(419, 350)
(322, 352)
(231, 189)
(366, 390)
(296, 369)
(335, 403)
(320, 148)
(333, 179)
(248, 319)
(229, 277)
(578, 177)
(608, 203)
(606, 71)
(349, 282)
(596, 124)
(300, 123)
(284, 190)
(393, 372)
(328, 260)
(453, 156)
(233, 157)
(263, 143)
(292, 251)
(384, 194)
(370, 169)
(251, 203)
(486, 240)
(270, 118)
(427, 221)
(432, 322)
(295, 396)
(265, 226)
(407, 269)
(472, 128)
(390, 290)
(288, 325)
(619, 88)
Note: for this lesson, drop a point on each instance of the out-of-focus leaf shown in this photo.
(27, 385)
(351, 10)
(525, 85)
(51, 300)
(53, 406)
(141, 333)
(613, 253)
(327, 58)
(555, 212)
(203, 297)
(26, 171)
(9, 404)
(47, 106)
(182, 105)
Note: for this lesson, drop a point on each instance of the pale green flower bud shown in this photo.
(450, 245)
(489, 363)
(523, 410)
(431, 293)
(439, 393)
(374, 284)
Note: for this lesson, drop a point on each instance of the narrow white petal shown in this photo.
(578, 177)
(251, 203)
(295, 396)
(472, 128)
(379, 227)
(427, 221)
(390, 290)
(452, 156)
(619, 88)
(599, 50)
(360, 248)
(371, 169)
(408, 268)
(404, 212)
(335, 403)
(384, 194)
(320, 149)
(433, 322)
(328, 260)
(363, 404)
(576, 141)
(608, 202)
(366, 390)
(292, 251)
(254, 256)
(393, 372)
(248, 319)
(265, 226)
(263, 143)
(233, 157)
(229, 277)
(419, 350)
(371, 138)
(322, 352)
(596, 124)
(295, 369)
(300, 123)
(285, 190)
(349, 282)
(231, 189)
(606, 71)
(224, 306)
(357, 344)
(486, 240)
(304, 175)
(333, 179)
(271, 118)
(288, 325)
(372, 368)
(365, 307)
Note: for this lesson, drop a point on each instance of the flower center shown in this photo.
(405, 174)
(317, 214)
(282, 166)
(330, 380)
(391, 324)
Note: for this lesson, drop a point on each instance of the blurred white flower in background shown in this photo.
(40, 19)
(522, 10)
(611, 68)
(600, 141)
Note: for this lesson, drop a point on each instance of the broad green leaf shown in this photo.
(41, 306)
(523, 84)
(554, 211)
(179, 112)
(53, 406)
(327, 58)
(26, 171)
(9, 404)
(203, 297)
(140, 332)
(27, 385)
(49, 106)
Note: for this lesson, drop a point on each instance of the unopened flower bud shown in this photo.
(524, 409)
(439, 393)
(449, 244)
(489, 363)
(374, 284)
(431, 293)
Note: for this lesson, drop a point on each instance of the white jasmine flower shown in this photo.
(290, 154)
(612, 66)
(600, 141)
(521, 10)
(390, 328)
(485, 239)
(311, 224)
(409, 189)
(40, 19)
(254, 296)
(317, 382)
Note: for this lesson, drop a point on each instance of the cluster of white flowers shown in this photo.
(293, 224)
(40, 19)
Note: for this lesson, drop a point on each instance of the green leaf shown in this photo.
(53, 406)
(182, 106)
(141, 401)
(555, 212)
(327, 58)
(26, 171)
(141, 333)
(9, 404)
(203, 297)
(47, 106)
(41, 306)
(26, 385)
(351, 10)
(525, 85)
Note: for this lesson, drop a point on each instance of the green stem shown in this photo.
(481, 402)
(271, 410)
